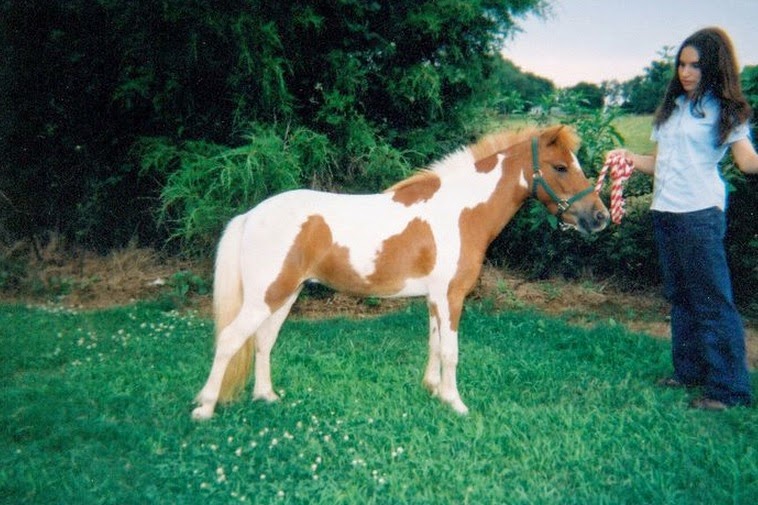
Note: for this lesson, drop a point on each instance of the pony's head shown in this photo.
(559, 183)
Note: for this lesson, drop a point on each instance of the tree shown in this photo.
(644, 93)
(591, 94)
(518, 90)
(83, 81)
(749, 80)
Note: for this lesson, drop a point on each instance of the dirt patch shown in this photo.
(86, 280)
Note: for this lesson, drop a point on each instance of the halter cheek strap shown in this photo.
(538, 180)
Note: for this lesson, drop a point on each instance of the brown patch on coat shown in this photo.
(486, 165)
(314, 239)
(411, 253)
(434, 312)
(416, 189)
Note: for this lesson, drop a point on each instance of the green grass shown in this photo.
(96, 409)
(636, 132)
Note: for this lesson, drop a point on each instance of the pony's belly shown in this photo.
(413, 287)
(409, 288)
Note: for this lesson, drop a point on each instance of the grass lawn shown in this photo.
(97, 410)
(636, 132)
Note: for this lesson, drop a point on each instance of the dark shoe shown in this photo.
(706, 403)
(671, 382)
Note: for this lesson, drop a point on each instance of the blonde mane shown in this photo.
(498, 142)
(495, 143)
(423, 175)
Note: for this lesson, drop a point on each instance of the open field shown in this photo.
(636, 132)
(559, 378)
(97, 403)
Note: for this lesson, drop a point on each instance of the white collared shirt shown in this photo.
(687, 177)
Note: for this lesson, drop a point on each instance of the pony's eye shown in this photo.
(561, 168)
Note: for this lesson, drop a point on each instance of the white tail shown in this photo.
(227, 300)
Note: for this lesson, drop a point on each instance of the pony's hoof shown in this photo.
(202, 413)
(457, 405)
(432, 386)
(268, 397)
(460, 408)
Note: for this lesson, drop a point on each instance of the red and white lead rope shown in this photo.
(620, 169)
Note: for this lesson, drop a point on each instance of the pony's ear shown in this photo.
(563, 135)
(554, 134)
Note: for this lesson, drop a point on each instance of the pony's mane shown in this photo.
(495, 143)
(418, 177)
(498, 142)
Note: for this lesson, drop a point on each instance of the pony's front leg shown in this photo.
(432, 375)
(448, 317)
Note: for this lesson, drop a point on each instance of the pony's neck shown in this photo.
(484, 221)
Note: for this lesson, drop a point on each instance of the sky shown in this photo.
(602, 40)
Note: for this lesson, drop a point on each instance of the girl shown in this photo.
(703, 113)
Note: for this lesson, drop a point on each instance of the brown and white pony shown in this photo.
(425, 236)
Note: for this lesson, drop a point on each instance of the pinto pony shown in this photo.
(425, 236)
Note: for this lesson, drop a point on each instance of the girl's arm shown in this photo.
(644, 163)
(745, 156)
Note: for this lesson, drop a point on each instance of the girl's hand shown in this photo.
(626, 154)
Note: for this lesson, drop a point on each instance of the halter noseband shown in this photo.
(537, 179)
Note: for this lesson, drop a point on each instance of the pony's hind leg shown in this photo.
(229, 342)
(265, 338)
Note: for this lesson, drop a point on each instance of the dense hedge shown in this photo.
(156, 122)
(83, 83)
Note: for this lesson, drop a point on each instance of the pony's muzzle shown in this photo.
(589, 220)
(598, 222)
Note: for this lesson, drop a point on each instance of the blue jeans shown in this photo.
(708, 338)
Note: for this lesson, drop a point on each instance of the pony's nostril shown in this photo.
(602, 216)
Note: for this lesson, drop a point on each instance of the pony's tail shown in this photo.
(227, 301)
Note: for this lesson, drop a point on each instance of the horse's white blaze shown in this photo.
(522, 182)
(576, 164)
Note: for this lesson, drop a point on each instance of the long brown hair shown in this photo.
(720, 78)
